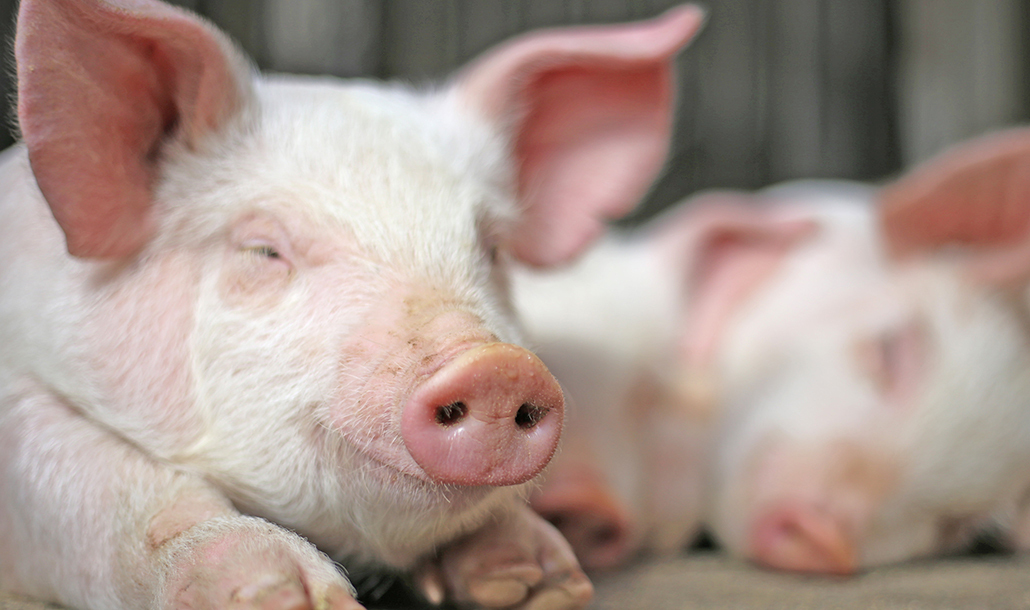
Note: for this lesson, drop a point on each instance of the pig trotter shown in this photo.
(246, 562)
(520, 562)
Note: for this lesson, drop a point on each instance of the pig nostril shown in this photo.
(605, 535)
(448, 415)
(559, 521)
(529, 415)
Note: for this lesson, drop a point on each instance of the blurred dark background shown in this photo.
(771, 90)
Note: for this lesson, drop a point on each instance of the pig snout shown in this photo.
(491, 416)
(803, 539)
(584, 509)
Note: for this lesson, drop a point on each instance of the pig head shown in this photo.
(227, 295)
(874, 381)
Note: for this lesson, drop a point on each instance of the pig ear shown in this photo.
(975, 196)
(725, 245)
(589, 114)
(102, 86)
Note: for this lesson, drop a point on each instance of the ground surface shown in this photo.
(710, 581)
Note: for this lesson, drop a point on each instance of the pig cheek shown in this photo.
(142, 338)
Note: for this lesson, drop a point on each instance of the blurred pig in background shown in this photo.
(829, 375)
(245, 316)
(623, 329)
(875, 382)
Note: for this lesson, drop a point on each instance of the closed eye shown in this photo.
(266, 251)
(894, 361)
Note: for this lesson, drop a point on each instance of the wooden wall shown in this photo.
(771, 90)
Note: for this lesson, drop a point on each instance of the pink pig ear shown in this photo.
(102, 85)
(726, 244)
(975, 196)
(590, 112)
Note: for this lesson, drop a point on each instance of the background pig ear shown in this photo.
(101, 86)
(725, 245)
(590, 112)
(975, 196)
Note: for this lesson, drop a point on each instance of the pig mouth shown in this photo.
(418, 487)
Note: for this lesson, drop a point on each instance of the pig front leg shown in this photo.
(518, 561)
(88, 521)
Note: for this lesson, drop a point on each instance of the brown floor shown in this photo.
(709, 581)
(706, 581)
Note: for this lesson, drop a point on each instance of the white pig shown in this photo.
(241, 316)
(862, 355)
(630, 473)
(876, 407)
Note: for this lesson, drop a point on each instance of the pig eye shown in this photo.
(893, 361)
(266, 251)
(494, 254)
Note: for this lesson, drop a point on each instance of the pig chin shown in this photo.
(390, 518)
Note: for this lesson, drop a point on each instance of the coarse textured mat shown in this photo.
(712, 581)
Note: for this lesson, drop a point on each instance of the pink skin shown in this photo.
(800, 539)
(256, 305)
(491, 416)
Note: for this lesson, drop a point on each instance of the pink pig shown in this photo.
(615, 328)
(272, 311)
(874, 381)
(853, 361)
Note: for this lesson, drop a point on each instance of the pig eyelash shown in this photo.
(266, 252)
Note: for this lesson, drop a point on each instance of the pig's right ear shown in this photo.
(976, 197)
(588, 112)
(723, 245)
(102, 87)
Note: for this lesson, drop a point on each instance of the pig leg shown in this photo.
(87, 520)
(519, 561)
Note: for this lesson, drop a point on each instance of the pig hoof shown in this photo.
(570, 595)
(505, 587)
(244, 562)
(520, 563)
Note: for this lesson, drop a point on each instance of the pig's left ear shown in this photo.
(976, 197)
(589, 114)
(723, 245)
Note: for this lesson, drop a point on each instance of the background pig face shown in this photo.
(865, 405)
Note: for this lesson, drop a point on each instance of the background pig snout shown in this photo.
(587, 512)
(491, 416)
(803, 539)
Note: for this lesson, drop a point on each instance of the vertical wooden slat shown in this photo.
(856, 118)
(719, 100)
(8, 116)
(963, 70)
(340, 37)
(419, 38)
(242, 19)
(795, 108)
(484, 23)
